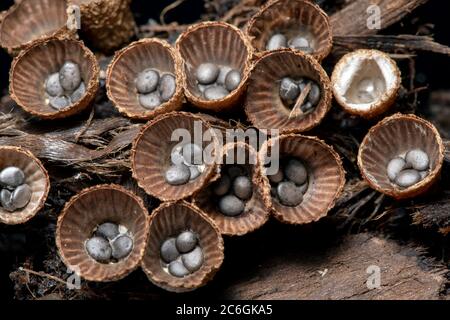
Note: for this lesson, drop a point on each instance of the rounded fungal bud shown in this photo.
(167, 86)
(277, 41)
(242, 187)
(186, 241)
(59, 103)
(232, 80)
(53, 86)
(289, 90)
(122, 247)
(6, 201)
(418, 159)
(231, 206)
(150, 100)
(300, 43)
(108, 230)
(289, 194)
(296, 172)
(394, 167)
(169, 251)
(192, 153)
(193, 260)
(224, 70)
(314, 94)
(147, 81)
(78, 93)
(407, 178)
(215, 93)
(207, 73)
(70, 76)
(21, 196)
(177, 269)
(12, 177)
(277, 177)
(195, 172)
(99, 249)
(177, 174)
(222, 186)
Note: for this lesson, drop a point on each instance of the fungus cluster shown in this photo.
(154, 88)
(186, 164)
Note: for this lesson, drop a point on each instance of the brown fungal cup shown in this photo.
(214, 42)
(151, 155)
(326, 177)
(264, 106)
(255, 213)
(83, 213)
(35, 176)
(30, 69)
(289, 17)
(129, 62)
(392, 136)
(167, 221)
(366, 82)
(107, 23)
(30, 20)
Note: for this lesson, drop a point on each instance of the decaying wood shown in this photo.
(352, 20)
(341, 273)
(434, 215)
(397, 43)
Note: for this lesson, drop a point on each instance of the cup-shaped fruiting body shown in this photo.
(265, 105)
(107, 23)
(151, 55)
(169, 221)
(159, 156)
(80, 220)
(297, 24)
(30, 20)
(234, 201)
(34, 177)
(394, 137)
(31, 70)
(366, 82)
(323, 181)
(210, 50)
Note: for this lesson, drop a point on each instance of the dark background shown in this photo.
(432, 70)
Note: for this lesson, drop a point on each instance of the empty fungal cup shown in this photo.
(296, 24)
(185, 248)
(167, 160)
(301, 202)
(40, 78)
(130, 71)
(44, 20)
(83, 218)
(217, 60)
(366, 82)
(24, 185)
(265, 105)
(234, 201)
(395, 137)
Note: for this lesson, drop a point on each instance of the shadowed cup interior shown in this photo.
(84, 213)
(32, 68)
(169, 220)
